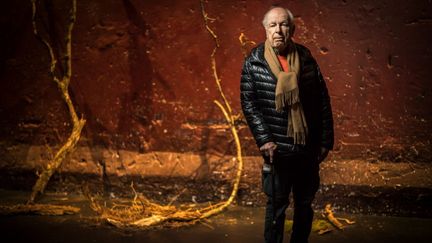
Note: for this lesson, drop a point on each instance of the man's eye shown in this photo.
(285, 24)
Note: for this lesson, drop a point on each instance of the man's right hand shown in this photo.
(268, 150)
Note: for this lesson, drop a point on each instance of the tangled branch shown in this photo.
(144, 213)
(326, 224)
(229, 117)
(63, 85)
(328, 213)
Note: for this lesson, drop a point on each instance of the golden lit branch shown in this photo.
(44, 41)
(213, 55)
(230, 120)
(325, 225)
(330, 216)
(68, 54)
(144, 213)
(227, 111)
(244, 43)
(63, 85)
(206, 19)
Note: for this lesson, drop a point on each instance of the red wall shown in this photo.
(142, 76)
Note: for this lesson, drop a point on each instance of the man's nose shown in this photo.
(279, 28)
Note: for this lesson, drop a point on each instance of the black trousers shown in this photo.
(296, 174)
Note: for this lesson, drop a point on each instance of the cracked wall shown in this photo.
(142, 77)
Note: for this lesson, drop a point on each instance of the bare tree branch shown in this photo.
(63, 85)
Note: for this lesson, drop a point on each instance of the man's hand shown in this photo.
(268, 150)
(323, 154)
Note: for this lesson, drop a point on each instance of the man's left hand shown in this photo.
(323, 154)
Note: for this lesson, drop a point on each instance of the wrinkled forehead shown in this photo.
(277, 15)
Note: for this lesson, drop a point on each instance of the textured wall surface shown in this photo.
(142, 75)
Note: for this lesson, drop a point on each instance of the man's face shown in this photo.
(277, 28)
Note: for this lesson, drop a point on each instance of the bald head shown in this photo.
(279, 25)
(290, 16)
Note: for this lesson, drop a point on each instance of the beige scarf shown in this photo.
(287, 91)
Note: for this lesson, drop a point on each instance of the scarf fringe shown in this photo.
(287, 99)
(299, 138)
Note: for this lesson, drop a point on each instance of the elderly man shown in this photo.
(287, 107)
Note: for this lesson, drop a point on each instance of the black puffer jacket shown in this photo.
(258, 86)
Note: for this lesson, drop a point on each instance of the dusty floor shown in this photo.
(237, 224)
(410, 200)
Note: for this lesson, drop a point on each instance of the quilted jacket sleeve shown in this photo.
(327, 139)
(250, 108)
